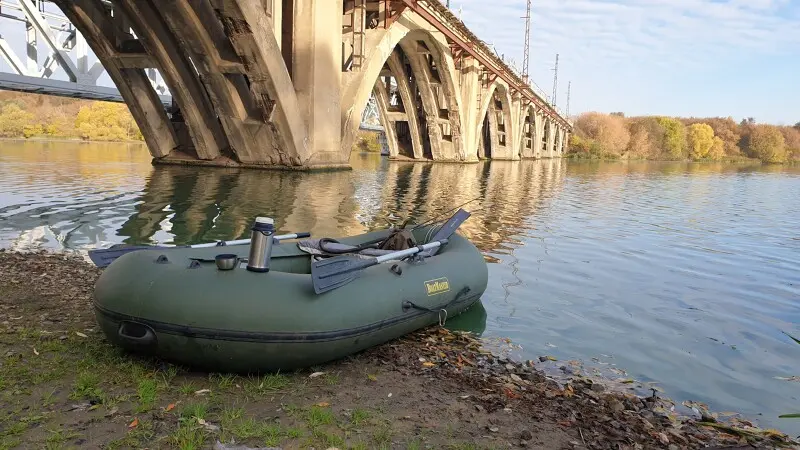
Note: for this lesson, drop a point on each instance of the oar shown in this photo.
(329, 274)
(105, 256)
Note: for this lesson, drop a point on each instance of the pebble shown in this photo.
(597, 387)
(616, 405)
(526, 435)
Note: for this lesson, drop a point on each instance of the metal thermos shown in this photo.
(261, 245)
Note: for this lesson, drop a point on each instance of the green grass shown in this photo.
(87, 387)
(194, 410)
(147, 394)
(188, 388)
(188, 436)
(382, 435)
(139, 437)
(266, 384)
(317, 416)
(327, 439)
(359, 416)
(57, 438)
(224, 381)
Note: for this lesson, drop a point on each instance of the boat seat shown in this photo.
(313, 247)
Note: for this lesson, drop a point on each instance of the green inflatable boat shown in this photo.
(180, 305)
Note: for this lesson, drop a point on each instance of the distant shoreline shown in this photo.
(65, 139)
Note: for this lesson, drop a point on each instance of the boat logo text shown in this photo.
(437, 286)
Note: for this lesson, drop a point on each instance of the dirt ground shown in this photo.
(63, 386)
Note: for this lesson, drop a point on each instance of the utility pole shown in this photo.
(569, 89)
(448, 4)
(555, 81)
(527, 47)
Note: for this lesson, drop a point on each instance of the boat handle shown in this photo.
(136, 333)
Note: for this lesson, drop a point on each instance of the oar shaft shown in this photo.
(280, 237)
(407, 252)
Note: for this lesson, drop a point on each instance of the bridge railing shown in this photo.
(455, 30)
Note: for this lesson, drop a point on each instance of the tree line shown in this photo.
(40, 116)
(598, 135)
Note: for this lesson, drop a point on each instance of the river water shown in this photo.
(684, 275)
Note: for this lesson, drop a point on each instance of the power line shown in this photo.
(527, 47)
(555, 82)
(569, 89)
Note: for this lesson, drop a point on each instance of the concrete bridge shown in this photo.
(284, 82)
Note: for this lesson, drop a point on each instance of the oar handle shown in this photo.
(292, 236)
(411, 251)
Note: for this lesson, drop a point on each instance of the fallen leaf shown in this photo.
(35, 352)
(202, 392)
(81, 334)
(316, 374)
(372, 377)
(135, 423)
(323, 404)
(170, 407)
(93, 407)
(494, 429)
(565, 423)
(428, 364)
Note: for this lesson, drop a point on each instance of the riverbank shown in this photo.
(63, 385)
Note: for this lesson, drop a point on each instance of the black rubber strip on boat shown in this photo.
(265, 337)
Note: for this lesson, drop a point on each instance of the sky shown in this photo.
(700, 58)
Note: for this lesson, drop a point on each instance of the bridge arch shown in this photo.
(431, 73)
(496, 132)
(527, 130)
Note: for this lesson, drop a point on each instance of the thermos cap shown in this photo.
(264, 220)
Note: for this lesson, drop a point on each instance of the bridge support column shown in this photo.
(538, 138)
(470, 96)
(551, 138)
(317, 75)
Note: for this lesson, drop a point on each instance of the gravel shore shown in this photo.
(63, 386)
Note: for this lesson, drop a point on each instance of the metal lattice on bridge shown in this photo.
(66, 71)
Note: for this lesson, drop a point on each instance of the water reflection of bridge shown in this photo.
(190, 205)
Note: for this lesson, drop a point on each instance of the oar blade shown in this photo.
(105, 256)
(329, 274)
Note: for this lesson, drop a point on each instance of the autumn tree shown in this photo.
(766, 143)
(717, 149)
(700, 138)
(104, 121)
(642, 143)
(791, 135)
(726, 129)
(609, 132)
(14, 120)
(674, 137)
